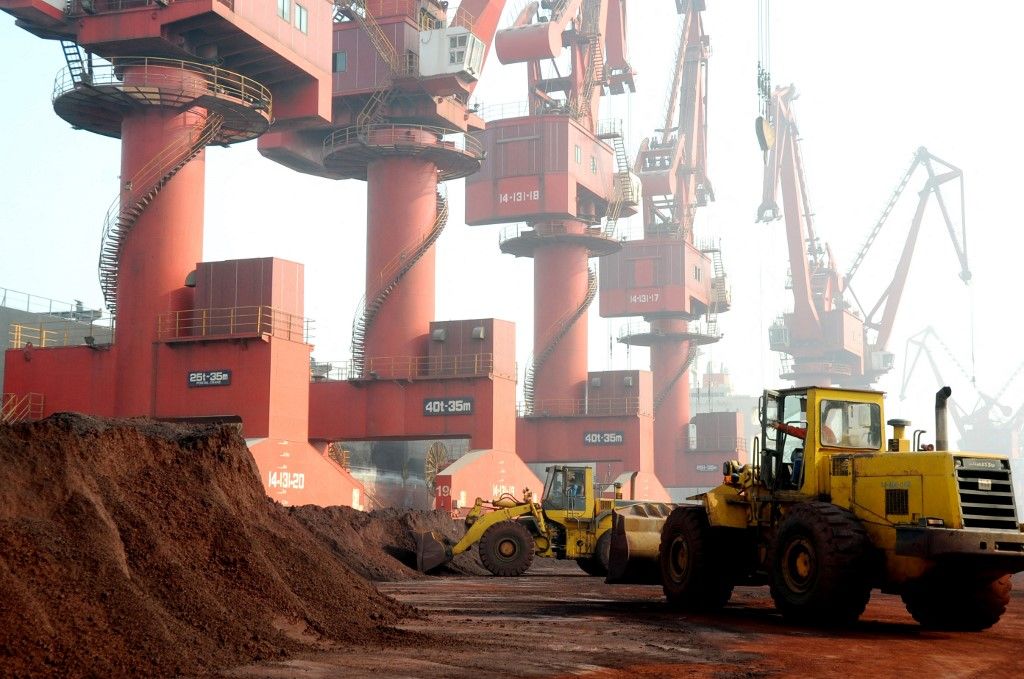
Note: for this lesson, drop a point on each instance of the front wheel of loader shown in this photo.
(506, 549)
(957, 603)
(692, 573)
(820, 565)
(597, 564)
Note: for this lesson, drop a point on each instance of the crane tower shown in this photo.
(553, 166)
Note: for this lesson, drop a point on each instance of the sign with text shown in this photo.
(604, 438)
(448, 406)
(209, 378)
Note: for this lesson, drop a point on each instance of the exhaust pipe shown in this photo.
(941, 436)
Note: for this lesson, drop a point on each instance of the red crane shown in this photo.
(878, 329)
(825, 340)
(672, 166)
(552, 167)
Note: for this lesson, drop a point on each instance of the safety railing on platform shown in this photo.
(36, 304)
(541, 230)
(408, 368)
(626, 406)
(512, 109)
(182, 79)
(77, 8)
(231, 323)
(14, 408)
(388, 8)
(54, 332)
(638, 328)
(405, 137)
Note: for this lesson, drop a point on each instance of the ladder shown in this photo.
(146, 184)
(77, 66)
(691, 356)
(562, 329)
(392, 274)
(623, 186)
(593, 74)
(373, 111)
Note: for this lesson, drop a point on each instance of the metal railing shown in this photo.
(410, 8)
(404, 136)
(77, 8)
(24, 301)
(14, 408)
(407, 368)
(625, 406)
(543, 229)
(229, 323)
(61, 333)
(634, 328)
(185, 79)
(511, 109)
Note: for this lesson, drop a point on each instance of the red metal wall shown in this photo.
(365, 69)
(77, 379)
(486, 474)
(647, 277)
(359, 411)
(295, 473)
(265, 281)
(532, 171)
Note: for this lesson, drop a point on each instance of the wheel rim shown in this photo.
(680, 559)
(799, 565)
(507, 549)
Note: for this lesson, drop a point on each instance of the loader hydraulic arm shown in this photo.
(483, 519)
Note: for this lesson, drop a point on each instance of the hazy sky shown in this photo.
(876, 81)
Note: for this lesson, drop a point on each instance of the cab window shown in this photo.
(848, 424)
(554, 491)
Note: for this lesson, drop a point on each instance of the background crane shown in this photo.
(830, 337)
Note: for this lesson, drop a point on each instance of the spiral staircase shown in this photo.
(391, 275)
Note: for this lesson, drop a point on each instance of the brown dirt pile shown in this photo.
(133, 548)
(380, 545)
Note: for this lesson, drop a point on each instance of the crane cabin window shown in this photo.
(301, 18)
(849, 424)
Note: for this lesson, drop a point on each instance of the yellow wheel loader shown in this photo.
(830, 510)
(569, 522)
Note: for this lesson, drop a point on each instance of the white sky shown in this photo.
(877, 80)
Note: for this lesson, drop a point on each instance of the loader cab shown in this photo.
(797, 425)
(568, 489)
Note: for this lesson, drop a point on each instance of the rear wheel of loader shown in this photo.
(958, 603)
(506, 549)
(597, 565)
(820, 566)
(692, 573)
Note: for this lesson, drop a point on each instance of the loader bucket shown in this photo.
(431, 551)
(636, 537)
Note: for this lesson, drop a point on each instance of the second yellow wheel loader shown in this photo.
(569, 522)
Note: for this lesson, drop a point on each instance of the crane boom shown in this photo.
(673, 163)
(888, 303)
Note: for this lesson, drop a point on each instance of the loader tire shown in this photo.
(506, 549)
(957, 603)
(820, 565)
(693, 576)
(597, 564)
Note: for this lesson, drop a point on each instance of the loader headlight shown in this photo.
(932, 522)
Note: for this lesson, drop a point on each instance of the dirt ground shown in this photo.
(557, 622)
(131, 548)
